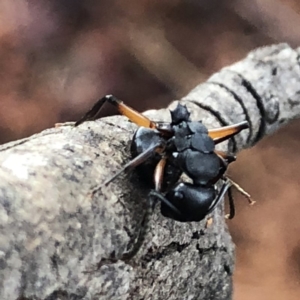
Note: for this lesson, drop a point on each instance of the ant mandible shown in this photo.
(163, 151)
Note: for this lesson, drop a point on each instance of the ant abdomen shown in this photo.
(200, 199)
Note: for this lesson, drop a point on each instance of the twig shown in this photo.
(53, 231)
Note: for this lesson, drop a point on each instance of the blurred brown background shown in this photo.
(57, 57)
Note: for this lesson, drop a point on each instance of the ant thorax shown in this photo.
(193, 152)
(191, 135)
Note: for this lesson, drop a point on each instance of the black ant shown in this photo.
(163, 151)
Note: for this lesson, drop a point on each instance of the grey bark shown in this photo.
(54, 231)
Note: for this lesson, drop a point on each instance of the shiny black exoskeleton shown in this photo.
(190, 150)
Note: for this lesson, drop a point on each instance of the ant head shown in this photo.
(180, 114)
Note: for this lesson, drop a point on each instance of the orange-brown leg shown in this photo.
(241, 190)
(158, 179)
(144, 226)
(159, 174)
(225, 160)
(224, 133)
(123, 109)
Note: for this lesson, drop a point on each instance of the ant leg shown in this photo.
(158, 178)
(231, 205)
(226, 185)
(224, 133)
(226, 157)
(225, 160)
(142, 233)
(93, 112)
(137, 243)
(150, 204)
(158, 148)
(241, 190)
(163, 199)
(159, 173)
(123, 109)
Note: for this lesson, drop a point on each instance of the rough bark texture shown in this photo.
(54, 231)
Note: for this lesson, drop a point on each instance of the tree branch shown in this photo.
(55, 232)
